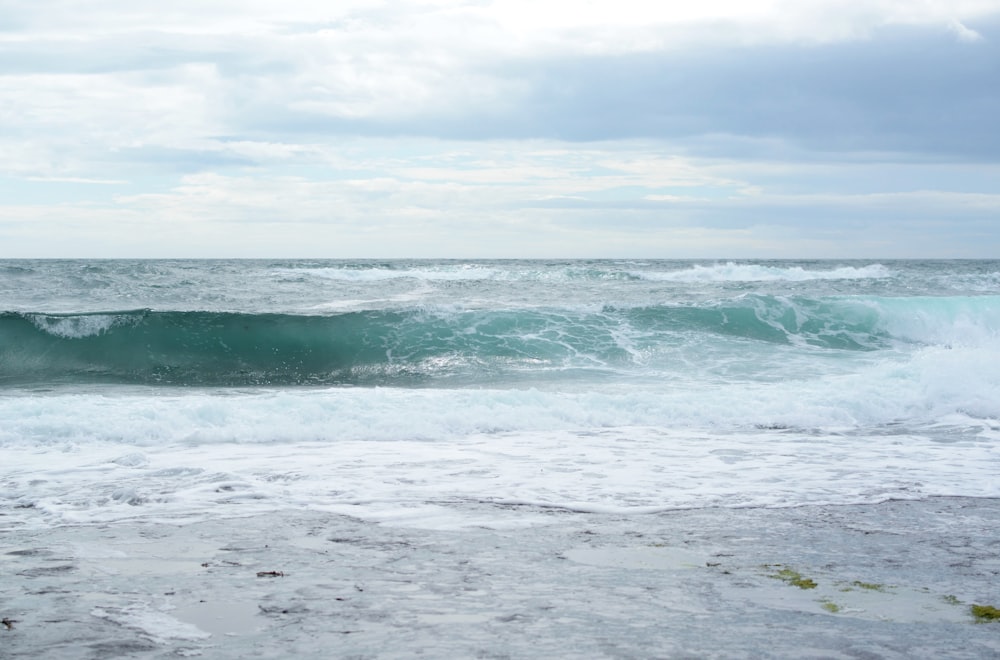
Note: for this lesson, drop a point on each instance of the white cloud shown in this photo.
(235, 123)
(72, 121)
(963, 33)
(76, 179)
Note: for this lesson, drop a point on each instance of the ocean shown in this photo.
(462, 408)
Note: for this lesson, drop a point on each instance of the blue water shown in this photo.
(406, 324)
(593, 385)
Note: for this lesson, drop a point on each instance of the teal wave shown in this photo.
(415, 347)
(218, 348)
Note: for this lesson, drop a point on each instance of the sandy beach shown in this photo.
(893, 580)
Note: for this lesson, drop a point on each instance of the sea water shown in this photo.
(411, 393)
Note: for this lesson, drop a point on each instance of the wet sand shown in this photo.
(893, 580)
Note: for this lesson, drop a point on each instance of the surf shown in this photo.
(445, 346)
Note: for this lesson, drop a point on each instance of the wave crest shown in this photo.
(736, 272)
(421, 347)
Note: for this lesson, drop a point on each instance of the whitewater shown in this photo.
(452, 397)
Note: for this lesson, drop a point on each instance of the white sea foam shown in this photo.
(945, 321)
(156, 625)
(354, 274)
(737, 272)
(467, 272)
(79, 326)
(871, 390)
(913, 425)
(853, 392)
(458, 272)
(724, 272)
(418, 483)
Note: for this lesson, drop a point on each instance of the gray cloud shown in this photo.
(443, 129)
(920, 90)
(913, 90)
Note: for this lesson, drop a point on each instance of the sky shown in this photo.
(500, 128)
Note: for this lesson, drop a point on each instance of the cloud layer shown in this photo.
(452, 128)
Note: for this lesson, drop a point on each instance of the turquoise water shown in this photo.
(430, 324)
(413, 388)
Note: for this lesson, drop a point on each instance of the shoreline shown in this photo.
(890, 580)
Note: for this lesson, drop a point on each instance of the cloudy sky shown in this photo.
(500, 128)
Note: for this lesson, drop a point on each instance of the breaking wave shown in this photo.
(427, 347)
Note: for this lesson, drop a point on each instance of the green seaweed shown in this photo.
(794, 578)
(830, 607)
(951, 600)
(870, 586)
(985, 612)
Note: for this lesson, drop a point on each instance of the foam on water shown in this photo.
(445, 273)
(566, 272)
(501, 271)
(77, 326)
(420, 483)
(919, 425)
(444, 346)
(156, 624)
(600, 386)
(873, 390)
(737, 272)
(943, 321)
